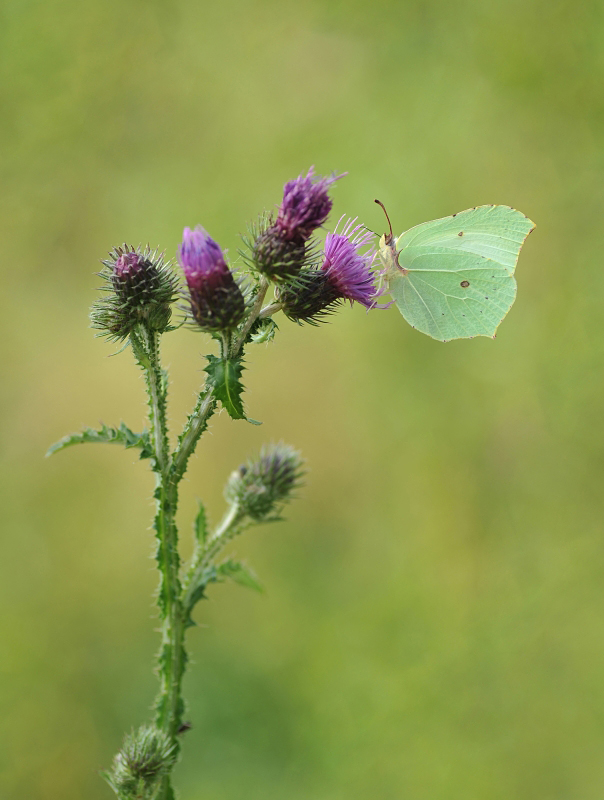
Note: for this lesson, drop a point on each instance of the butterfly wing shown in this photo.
(457, 273)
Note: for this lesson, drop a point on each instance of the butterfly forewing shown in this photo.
(457, 273)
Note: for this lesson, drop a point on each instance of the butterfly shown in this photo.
(453, 278)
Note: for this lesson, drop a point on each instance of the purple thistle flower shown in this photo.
(217, 303)
(305, 205)
(348, 270)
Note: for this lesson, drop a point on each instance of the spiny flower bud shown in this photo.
(262, 486)
(140, 287)
(345, 274)
(216, 301)
(280, 248)
(309, 297)
(146, 755)
(278, 258)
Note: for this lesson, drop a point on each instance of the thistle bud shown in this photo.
(309, 297)
(280, 248)
(216, 301)
(140, 288)
(278, 258)
(263, 486)
(146, 755)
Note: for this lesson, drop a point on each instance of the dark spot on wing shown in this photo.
(464, 284)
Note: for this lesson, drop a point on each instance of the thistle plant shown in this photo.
(450, 278)
(143, 299)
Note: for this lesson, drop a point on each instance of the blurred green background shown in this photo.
(433, 625)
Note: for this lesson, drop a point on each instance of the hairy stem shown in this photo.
(253, 315)
(172, 656)
(204, 555)
(195, 426)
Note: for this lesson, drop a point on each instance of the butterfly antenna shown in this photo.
(379, 202)
(369, 230)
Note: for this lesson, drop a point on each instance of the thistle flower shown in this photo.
(345, 274)
(262, 486)
(305, 205)
(280, 248)
(140, 287)
(348, 270)
(216, 301)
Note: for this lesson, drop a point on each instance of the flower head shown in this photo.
(305, 205)
(345, 274)
(140, 288)
(280, 247)
(347, 268)
(216, 300)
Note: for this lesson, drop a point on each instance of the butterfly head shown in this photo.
(388, 252)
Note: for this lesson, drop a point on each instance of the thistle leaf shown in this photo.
(200, 526)
(224, 375)
(106, 435)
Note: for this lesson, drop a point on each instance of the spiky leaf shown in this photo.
(224, 375)
(121, 435)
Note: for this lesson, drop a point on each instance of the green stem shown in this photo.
(196, 424)
(253, 315)
(204, 555)
(172, 655)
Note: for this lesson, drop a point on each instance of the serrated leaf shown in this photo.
(239, 573)
(106, 435)
(224, 375)
(200, 525)
(263, 330)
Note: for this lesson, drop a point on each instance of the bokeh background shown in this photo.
(433, 624)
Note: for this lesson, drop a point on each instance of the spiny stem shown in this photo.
(195, 426)
(253, 315)
(157, 401)
(172, 656)
(204, 555)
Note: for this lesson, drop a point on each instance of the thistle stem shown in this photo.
(252, 317)
(228, 528)
(195, 426)
(269, 310)
(172, 656)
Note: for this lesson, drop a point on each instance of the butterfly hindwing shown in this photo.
(457, 273)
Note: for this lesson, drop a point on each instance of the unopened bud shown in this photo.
(262, 486)
(216, 301)
(140, 288)
(146, 756)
